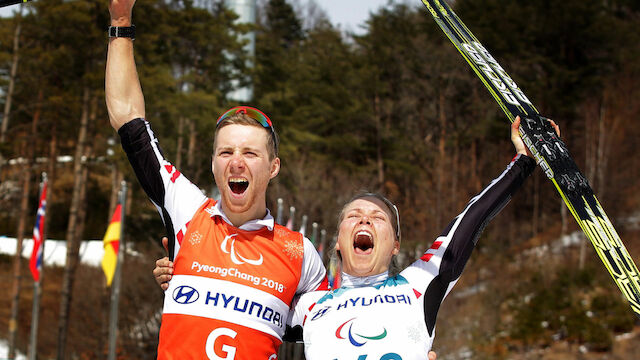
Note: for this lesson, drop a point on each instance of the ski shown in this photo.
(4, 3)
(549, 151)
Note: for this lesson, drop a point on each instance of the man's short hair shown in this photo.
(244, 119)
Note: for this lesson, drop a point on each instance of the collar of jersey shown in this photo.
(251, 225)
(350, 281)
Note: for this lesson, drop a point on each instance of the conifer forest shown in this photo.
(393, 109)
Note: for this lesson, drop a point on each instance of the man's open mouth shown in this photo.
(363, 242)
(238, 185)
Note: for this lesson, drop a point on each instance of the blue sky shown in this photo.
(348, 14)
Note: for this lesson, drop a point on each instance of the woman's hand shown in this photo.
(516, 139)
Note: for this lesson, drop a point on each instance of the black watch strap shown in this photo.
(123, 31)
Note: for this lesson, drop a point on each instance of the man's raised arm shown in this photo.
(124, 97)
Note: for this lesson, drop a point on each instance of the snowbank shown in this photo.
(4, 346)
(55, 251)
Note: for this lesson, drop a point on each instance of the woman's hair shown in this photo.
(393, 210)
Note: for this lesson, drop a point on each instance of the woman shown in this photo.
(373, 315)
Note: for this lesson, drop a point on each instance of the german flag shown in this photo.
(111, 243)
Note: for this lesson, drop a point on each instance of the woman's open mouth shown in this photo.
(363, 243)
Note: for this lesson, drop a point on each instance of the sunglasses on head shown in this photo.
(253, 113)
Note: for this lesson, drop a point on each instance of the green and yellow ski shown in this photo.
(549, 151)
(4, 3)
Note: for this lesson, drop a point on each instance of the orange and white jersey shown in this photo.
(231, 290)
(232, 287)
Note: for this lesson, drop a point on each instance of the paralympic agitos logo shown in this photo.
(355, 338)
(235, 257)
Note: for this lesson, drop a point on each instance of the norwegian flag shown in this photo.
(35, 264)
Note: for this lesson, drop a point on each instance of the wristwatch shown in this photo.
(123, 31)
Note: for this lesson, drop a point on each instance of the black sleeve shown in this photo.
(462, 233)
(140, 146)
(145, 156)
(466, 228)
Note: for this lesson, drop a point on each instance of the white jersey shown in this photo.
(393, 318)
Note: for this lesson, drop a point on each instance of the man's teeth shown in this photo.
(238, 185)
(363, 233)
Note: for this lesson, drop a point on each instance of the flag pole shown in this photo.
(280, 208)
(37, 291)
(35, 312)
(325, 247)
(314, 235)
(115, 289)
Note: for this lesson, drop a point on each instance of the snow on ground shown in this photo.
(55, 251)
(4, 348)
(632, 222)
(556, 246)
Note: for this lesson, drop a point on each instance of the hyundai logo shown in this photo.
(185, 295)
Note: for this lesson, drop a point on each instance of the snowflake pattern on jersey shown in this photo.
(195, 238)
(415, 334)
(281, 232)
(293, 249)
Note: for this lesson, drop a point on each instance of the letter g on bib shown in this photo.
(230, 351)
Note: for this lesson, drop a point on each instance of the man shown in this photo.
(236, 271)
